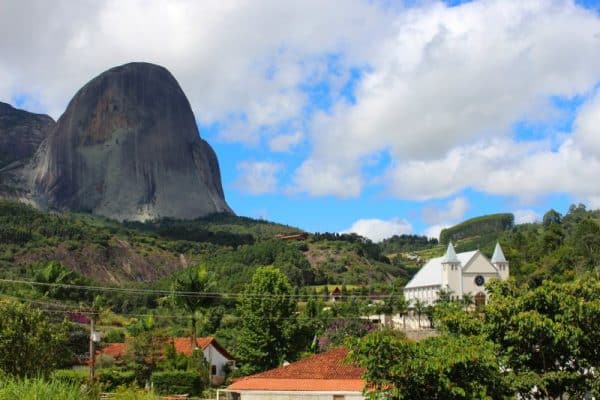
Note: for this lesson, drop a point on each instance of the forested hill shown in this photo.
(110, 252)
(478, 230)
(559, 248)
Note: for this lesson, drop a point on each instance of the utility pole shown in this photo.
(92, 348)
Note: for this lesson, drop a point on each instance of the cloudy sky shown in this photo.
(380, 117)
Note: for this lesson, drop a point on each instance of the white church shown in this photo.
(457, 274)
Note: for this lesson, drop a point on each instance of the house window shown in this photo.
(213, 369)
(338, 397)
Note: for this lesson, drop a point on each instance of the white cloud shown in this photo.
(434, 230)
(445, 216)
(320, 179)
(285, 142)
(526, 216)
(440, 90)
(452, 79)
(454, 210)
(379, 229)
(257, 177)
(241, 64)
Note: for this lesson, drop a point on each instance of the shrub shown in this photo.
(113, 378)
(38, 388)
(177, 382)
(105, 361)
(71, 376)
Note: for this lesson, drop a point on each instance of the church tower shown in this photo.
(499, 261)
(451, 272)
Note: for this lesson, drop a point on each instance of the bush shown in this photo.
(105, 361)
(177, 382)
(113, 378)
(71, 376)
(38, 388)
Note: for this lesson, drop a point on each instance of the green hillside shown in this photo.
(109, 252)
(478, 231)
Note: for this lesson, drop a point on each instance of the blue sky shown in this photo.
(376, 117)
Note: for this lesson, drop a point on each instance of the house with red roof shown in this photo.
(324, 376)
(217, 357)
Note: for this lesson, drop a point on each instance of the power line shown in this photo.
(72, 311)
(183, 293)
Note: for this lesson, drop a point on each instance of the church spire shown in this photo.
(450, 256)
(498, 256)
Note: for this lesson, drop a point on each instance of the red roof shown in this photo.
(183, 345)
(115, 350)
(322, 372)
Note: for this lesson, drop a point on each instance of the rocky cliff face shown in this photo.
(21, 133)
(128, 148)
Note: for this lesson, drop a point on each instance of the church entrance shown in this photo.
(480, 299)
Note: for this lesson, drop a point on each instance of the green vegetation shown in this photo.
(37, 388)
(484, 228)
(406, 243)
(177, 382)
(29, 344)
(273, 299)
(267, 320)
(535, 342)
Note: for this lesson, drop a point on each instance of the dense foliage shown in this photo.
(486, 225)
(268, 325)
(29, 344)
(177, 382)
(560, 248)
(535, 342)
(406, 243)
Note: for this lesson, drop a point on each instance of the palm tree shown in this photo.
(419, 307)
(401, 307)
(468, 300)
(197, 285)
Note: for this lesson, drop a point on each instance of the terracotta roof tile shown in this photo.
(308, 385)
(115, 350)
(322, 372)
(183, 345)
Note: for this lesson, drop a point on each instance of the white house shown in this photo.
(457, 274)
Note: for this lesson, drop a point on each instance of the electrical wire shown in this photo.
(183, 293)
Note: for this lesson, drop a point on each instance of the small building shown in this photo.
(217, 357)
(458, 274)
(323, 376)
(336, 295)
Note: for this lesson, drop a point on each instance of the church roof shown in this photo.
(498, 256)
(431, 273)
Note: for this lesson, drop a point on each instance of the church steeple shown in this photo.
(451, 272)
(450, 256)
(499, 261)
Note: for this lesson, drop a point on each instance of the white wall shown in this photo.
(426, 294)
(214, 357)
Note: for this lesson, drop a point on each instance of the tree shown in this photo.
(29, 344)
(197, 285)
(268, 320)
(145, 347)
(444, 367)
(548, 335)
(551, 217)
(401, 307)
(419, 307)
